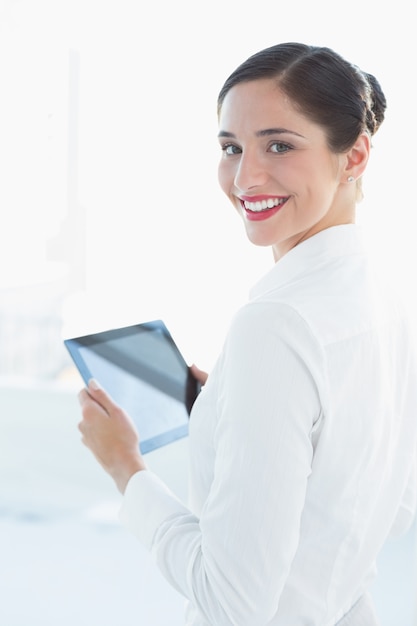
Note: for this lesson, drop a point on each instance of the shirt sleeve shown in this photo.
(232, 562)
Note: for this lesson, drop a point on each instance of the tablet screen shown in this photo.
(143, 370)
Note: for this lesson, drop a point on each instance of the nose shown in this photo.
(250, 172)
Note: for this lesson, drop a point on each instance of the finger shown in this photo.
(83, 396)
(96, 391)
(91, 410)
(199, 374)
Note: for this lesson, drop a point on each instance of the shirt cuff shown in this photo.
(147, 503)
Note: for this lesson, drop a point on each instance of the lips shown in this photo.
(257, 209)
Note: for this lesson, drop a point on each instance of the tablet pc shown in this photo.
(142, 369)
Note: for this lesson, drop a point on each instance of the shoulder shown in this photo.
(270, 355)
(273, 328)
(338, 298)
(269, 317)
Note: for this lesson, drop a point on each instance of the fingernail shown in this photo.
(94, 384)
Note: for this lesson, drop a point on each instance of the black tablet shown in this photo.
(144, 372)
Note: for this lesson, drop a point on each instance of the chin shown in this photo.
(259, 236)
(261, 242)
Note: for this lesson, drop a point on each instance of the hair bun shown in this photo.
(378, 104)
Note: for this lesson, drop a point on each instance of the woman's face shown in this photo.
(277, 169)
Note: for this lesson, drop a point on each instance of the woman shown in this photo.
(303, 440)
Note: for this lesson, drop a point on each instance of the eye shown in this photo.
(230, 149)
(279, 147)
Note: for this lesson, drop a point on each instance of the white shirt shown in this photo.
(303, 447)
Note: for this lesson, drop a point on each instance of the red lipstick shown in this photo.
(259, 208)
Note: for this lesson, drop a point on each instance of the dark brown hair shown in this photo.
(325, 87)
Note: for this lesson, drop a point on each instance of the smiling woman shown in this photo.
(303, 440)
(290, 167)
(323, 128)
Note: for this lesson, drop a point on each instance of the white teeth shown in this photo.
(262, 205)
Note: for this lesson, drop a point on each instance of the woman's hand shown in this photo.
(110, 434)
(199, 374)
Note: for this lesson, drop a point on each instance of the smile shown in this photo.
(263, 205)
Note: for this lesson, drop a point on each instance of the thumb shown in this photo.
(101, 396)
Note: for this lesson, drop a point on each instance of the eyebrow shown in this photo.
(264, 133)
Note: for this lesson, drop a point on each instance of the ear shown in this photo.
(357, 157)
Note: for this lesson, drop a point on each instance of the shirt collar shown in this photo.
(337, 241)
